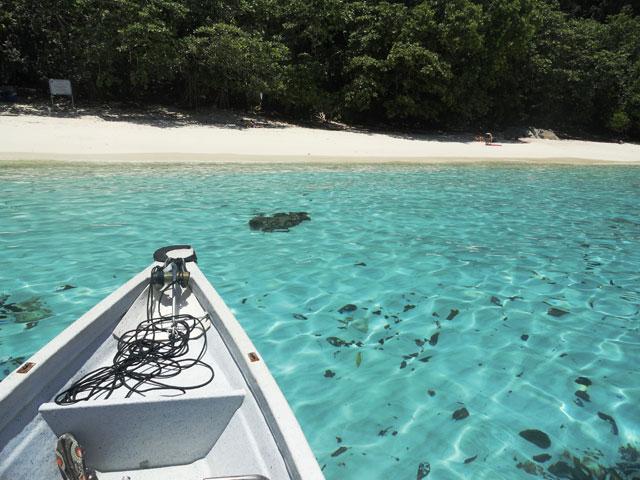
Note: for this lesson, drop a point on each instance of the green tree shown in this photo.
(148, 41)
(227, 66)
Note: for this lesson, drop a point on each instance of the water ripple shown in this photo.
(489, 289)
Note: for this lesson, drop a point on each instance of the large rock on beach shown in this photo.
(278, 221)
(543, 134)
(518, 132)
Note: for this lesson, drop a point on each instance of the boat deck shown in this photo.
(156, 436)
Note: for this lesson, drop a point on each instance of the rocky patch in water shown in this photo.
(338, 342)
(10, 364)
(29, 311)
(278, 221)
(589, 466)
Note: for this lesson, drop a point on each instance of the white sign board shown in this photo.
(60, 87)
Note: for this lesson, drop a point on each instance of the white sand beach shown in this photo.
(36, 137)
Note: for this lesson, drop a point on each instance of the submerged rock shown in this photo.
(581, 394)
(583, 381)
(278, 222)
(349, 307)
(556, 312)
(424, 469)
(339, 451)
(543, 457)
(537, 437)
(612, 422)
(460, 414)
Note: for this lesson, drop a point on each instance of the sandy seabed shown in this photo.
(89, 138)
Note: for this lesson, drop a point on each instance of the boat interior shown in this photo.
(202, 423)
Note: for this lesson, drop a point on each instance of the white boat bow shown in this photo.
(219, 415)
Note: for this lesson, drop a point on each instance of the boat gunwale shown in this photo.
(282, 422)
(18, 390)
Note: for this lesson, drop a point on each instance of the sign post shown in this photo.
(61, 87)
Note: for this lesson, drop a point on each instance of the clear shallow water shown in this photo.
(409, 247)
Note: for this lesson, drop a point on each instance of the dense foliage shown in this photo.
(429, 63)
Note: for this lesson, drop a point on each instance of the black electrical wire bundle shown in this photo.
(146, 357)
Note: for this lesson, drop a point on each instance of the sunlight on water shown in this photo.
(486, 291)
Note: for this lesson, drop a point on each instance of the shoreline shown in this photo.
(29, 138)
(18, 159)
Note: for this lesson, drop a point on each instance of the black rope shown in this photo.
(147, 356)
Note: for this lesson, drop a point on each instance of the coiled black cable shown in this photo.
(146, 357)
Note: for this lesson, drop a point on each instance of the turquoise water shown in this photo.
(510, 249)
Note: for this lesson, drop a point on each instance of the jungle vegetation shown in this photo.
(446, 64)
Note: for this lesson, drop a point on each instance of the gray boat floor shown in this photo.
(245, 446)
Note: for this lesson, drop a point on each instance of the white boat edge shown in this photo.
(19, 390)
